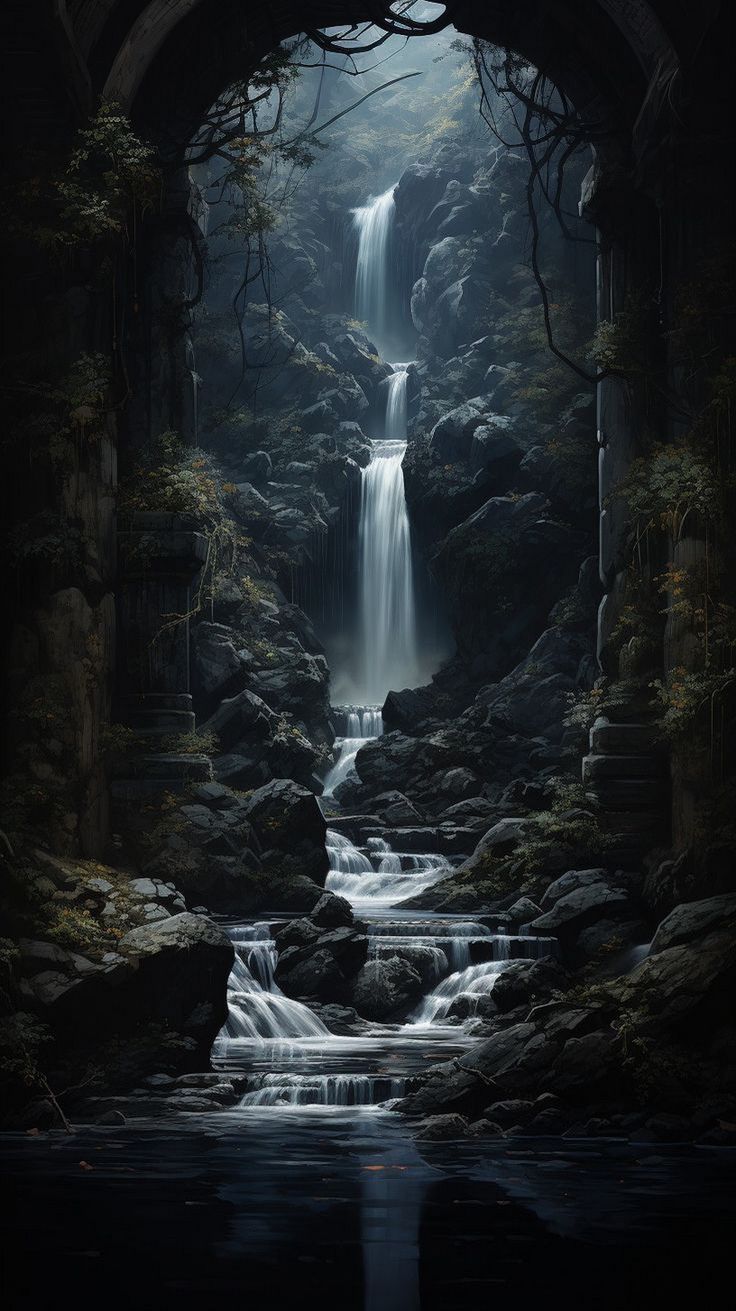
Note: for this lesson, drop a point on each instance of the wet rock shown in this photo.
(438, 1128)
(396, 808)
(579, 909)
(452, 437)
(571, 882)
(693, 920)
(527, 983)
(684, 988)
(500, 840)
(257, 468)
(297, 933)
(219, 660)
(288, 821)
(510, 1111)
(385, 987)
(523, 911)
(586, 1062)
(610, 936)
(332, 911)
(244, 717)
(182, 967)
(316, 974)
(111, 1117)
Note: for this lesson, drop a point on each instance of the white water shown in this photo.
(372, 273)
(258, 1010)
(382, 879)
(364, 724)
(305, 1064)
(322, 1090)
(388, 623)
(473, 982)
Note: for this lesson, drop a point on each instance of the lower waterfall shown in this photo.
(388, 623)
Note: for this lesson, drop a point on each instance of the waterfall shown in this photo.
(322, 1090)
(382, 879)
(374, 223)
(363, 724)
(258, 1011)
(388, 636)
(396, 409)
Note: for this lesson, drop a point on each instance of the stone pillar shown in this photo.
(161, 559)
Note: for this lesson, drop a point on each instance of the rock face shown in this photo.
(182, 966)
(692, 920)
(171, 973)
(290, 827)
(385, 988)
(235, 852)
(321, 954)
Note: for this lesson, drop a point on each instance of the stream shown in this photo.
(313, 1188)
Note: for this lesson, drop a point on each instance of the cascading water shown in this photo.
(291, 1058)
(388, 637)
(374, 223)
(258, 1011)
(381, 880)
(362, 726)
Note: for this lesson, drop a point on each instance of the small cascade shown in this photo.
(478, 980)
(396, 405)
(258, 1011)
(363, 724)
(455, 938)
(322, 1090)
(471, 983)
(374, 224)
(381, 879)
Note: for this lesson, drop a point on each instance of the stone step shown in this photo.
(624, 739)
(597, 767)
(192, 769)
(636, 823)
(637, 793)
(162, 722)
(133, 702)
(127, 791)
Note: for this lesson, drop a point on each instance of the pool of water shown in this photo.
(302, 1206)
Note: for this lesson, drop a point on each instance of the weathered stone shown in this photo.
(385, 987)
(694, 919)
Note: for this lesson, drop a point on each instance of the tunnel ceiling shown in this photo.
(166, 61)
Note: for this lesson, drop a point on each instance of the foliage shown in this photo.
(109, 174)
(119, 740)
(172, 477)
(669, 484)
(637, 632)
(22, 1037)
(621, 345)
(202, 742)
(48, 539)
(253, 593)
(683, 695)
(569, 825)
(584, 707)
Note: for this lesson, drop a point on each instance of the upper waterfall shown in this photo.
(374, 223)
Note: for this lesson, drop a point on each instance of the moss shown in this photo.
(202, 742)
(77, 929)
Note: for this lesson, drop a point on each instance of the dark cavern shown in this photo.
(368, 832)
